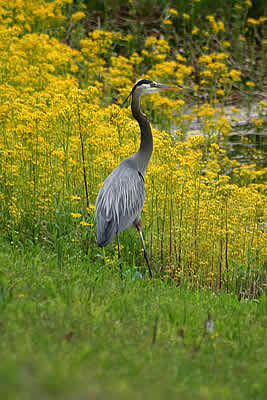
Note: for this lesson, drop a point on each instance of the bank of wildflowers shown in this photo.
(61, 135)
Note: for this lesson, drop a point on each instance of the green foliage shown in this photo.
(81, 332)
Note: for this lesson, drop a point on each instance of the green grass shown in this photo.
(80, 332)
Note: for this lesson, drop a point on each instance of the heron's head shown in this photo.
(144, 86)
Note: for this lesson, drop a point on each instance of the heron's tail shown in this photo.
(106, 230)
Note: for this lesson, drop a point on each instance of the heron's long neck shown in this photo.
(146, 147)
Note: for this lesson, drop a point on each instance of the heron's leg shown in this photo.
(139, 228)
(119, 251)
(118, 243)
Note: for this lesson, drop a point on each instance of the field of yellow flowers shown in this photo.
(63, 131)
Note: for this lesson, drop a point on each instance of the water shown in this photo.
(251, 150)
(245, 143)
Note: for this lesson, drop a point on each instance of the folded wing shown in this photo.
(119, 203)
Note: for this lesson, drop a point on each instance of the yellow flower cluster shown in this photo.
(197, 220)
(76, 17)
(216, 26)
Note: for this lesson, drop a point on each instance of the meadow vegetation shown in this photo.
(83, 333)
(63, 131)
(65, 69)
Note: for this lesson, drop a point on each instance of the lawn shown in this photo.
(82, 332)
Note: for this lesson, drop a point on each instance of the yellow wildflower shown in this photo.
(76, 215)
(76, 17)
(205, 59)
(258, 122)
(73, 198)
(216, 334)
(221, 56)
(249, 83)
(150, 40)
(195, 30)
(220, 26)
(186, 16)
(210, 18)
(90, 208)
(172, 11)
(235, 75)
(226, 43)
(207, 73)
(220, 92)
(167, 22)
(84, 223)
(253, 21)
(248, 3)
(235, 110)
(180, 58)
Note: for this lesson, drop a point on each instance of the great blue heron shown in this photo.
(121, 198)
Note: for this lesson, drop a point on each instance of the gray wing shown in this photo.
(119, 203)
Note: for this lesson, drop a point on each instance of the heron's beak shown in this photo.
(166, 87)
